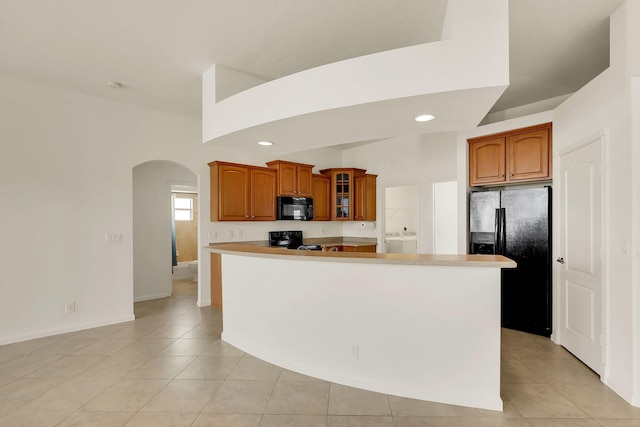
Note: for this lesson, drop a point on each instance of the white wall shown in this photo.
(418, 159)
(605, 104)
(66, 164)
(152, 264)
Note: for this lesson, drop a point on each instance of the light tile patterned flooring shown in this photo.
(169, 368)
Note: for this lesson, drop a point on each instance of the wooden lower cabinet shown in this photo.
(216, 280)
(349, 248)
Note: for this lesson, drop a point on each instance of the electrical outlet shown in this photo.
(70, 307)
(230, 234)
(355, 351)
(238, 233)
(113, 238)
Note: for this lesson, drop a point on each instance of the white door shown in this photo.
(579, 254)
(445, 218)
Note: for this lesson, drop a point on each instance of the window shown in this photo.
(182, 207)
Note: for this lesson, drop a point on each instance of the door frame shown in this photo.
(601, 136)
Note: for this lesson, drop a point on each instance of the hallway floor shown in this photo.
(169, 368)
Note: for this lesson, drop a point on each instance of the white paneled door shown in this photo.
(579, 256)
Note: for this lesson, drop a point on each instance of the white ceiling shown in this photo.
(158, 49)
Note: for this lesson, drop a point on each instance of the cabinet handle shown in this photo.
(510, 174)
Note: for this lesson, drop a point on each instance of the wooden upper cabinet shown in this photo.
(242, 192)
(294, 179)
(487, 161)
(263, 194)
(365, 197)
(529, 156)
(230, 191)
(343, 192)
(517, 156)
(321, 194)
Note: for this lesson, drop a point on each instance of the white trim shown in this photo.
(602, 133)
(203, 303)
(151, 297)
(601, 137)
(57, 331)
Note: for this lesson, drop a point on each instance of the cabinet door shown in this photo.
(341, 194)
(304, 181)
(528, 156)
(368, 248)
(233, 193)
(487, 161)
(216, 280)
(287, 179)
(263, 194)
(321, 198)
(365, 197)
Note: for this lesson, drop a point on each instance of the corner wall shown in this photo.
(66, 164)
(606, 104)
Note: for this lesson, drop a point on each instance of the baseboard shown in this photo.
(150, 297)
(72, 328)
(624, 392)
(203, 303)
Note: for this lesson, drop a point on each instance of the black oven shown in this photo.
(295, 208)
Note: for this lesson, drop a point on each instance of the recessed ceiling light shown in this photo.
(114, 85)
(265, 143)
(425, 118)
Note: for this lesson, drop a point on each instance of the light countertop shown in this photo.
(262, 249)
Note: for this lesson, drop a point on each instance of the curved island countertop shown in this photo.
(420, 326)
(261, 249)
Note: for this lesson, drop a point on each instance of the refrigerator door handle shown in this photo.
(503, 231)
(500, 237)
(496, 231)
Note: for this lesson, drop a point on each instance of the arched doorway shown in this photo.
(152, 226)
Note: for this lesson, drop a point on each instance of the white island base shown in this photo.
(429, 332)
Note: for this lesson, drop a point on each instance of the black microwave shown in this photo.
(295, 208)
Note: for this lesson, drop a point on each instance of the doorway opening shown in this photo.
(402, 219)
(184, 232)
(153, 214)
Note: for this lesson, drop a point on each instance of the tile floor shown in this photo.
(169, 368)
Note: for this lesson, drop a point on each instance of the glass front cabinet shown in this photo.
(343, 192)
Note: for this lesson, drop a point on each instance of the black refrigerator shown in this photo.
(517, 224)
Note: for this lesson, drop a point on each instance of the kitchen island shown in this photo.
(413, 325)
